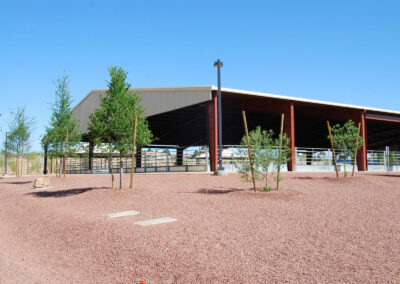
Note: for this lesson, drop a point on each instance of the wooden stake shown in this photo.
(66, 155)
(112, 172)
(16, 165)
(133, 151)
(278, 176)
(355, 154)
(56, 168)
(249, 149)
(22, 160)
(333, 148)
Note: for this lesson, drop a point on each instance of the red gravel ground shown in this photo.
(316, 229)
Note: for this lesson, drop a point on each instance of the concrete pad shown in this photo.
(43, 188)
(156, 221)
(121, 214)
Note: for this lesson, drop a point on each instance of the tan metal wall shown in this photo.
(154, 100)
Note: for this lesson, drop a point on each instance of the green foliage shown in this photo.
(267, 188)
(264, 150)
(345, 138)
(62, 121)
(113, 121)
(20, 130)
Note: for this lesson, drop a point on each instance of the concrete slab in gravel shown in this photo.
(43, 188)
(121, 214)
(156, 221)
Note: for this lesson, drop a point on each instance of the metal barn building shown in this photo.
(185, 117)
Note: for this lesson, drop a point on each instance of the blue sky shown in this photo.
(341, 51)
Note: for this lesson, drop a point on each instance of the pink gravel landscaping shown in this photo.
(315, 229)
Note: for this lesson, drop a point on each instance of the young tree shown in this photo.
(264, 155)
(282, 156)
(20, 131)
(61, 125)
(345, 138)
(112, 123)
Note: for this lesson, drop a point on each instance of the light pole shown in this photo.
(220, 170)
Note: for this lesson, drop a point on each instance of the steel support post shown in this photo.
(212, 127)
(290, 133)
(220, 170)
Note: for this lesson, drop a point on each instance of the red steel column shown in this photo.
(362, 153)
(289, 130)
(359, 117)
(212, 121)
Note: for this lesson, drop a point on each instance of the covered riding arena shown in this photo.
(184, 122)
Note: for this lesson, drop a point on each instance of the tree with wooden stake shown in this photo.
(256, 155)
(355, 152)
(63, 136)
(347, 139)
(66, 154)
(333, 149)
(261, 148)
(278, 170)
(20, 130)
(112, 122)
(133, 150)
(249, 150)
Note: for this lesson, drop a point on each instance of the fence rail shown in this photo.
(193, 159)
(196, 159)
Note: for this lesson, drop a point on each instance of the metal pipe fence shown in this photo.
(196, 159)
(319, 159)
(193, 159)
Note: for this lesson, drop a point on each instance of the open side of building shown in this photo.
(187, 116)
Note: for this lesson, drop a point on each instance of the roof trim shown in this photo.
(151, 89)
(244, 92)
(274, 96)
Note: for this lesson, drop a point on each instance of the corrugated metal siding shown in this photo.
(154, 100)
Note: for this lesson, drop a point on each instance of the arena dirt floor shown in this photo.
(315, 229)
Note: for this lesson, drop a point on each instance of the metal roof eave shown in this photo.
(295, 99)
(151, 89)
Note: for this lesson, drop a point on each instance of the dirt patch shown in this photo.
(314, 229)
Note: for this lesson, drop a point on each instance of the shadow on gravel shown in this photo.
(317, 178)
(218, 191)
(385, 175)
(62, 193)
(18, 182)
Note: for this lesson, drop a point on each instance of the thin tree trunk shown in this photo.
(66, 153)
(17, 162)
(278, 175)
(133, 151)
(60, 169)
(27, 162)
(22, 160)
(333, 149)
(16, 165)
(112, 171)
(121, 170)
(249, 149)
